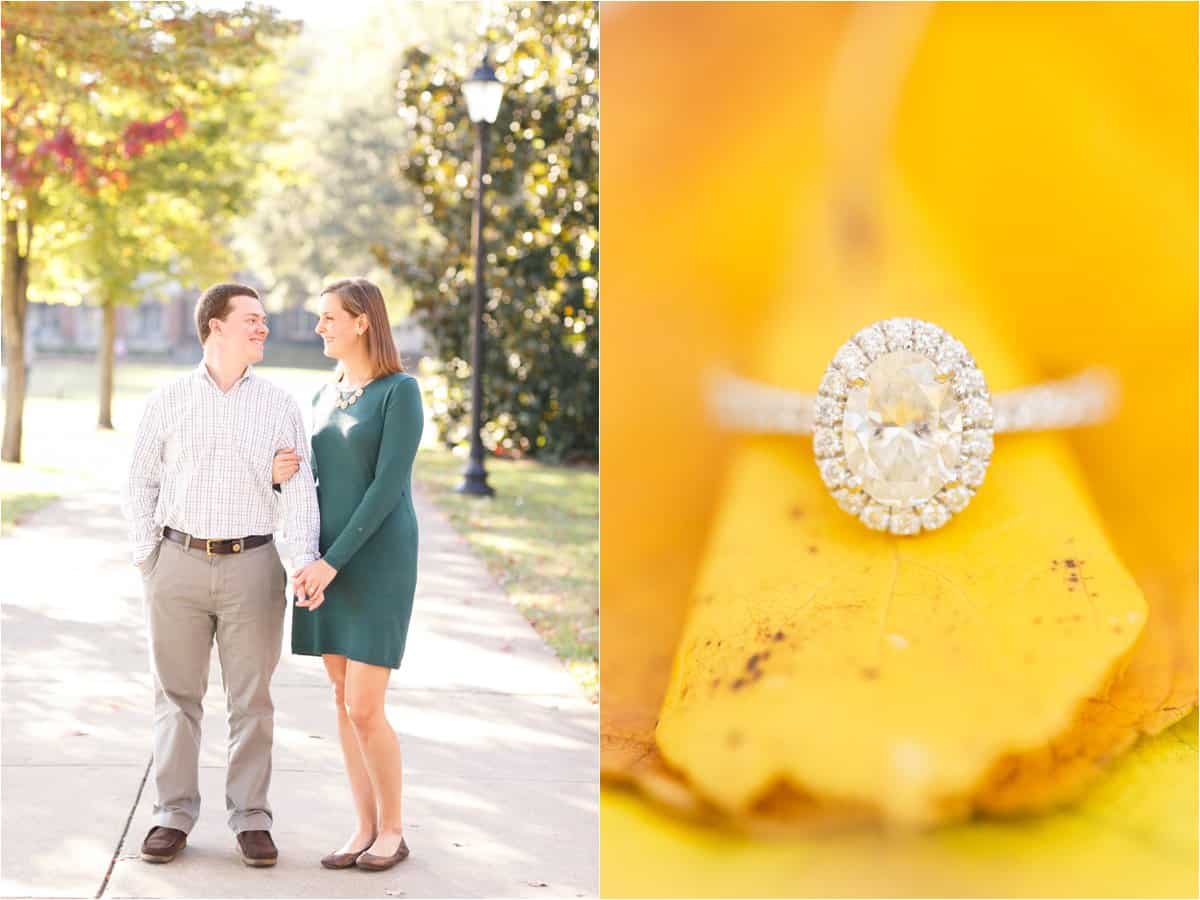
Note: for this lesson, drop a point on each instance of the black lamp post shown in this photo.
(483, 92)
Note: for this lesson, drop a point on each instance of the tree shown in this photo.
(92, 92)
(541, 371)
(339, 193)
(173, 218)
(322, 217)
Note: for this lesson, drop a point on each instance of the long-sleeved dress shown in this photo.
(362, 459)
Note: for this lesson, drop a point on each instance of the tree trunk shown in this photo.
(16, 285)
(105, 353)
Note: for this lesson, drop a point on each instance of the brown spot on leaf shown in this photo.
(738, 684)
(755, 659)
(812, 548)
(870, 673)
(778, 636)
(796, 512)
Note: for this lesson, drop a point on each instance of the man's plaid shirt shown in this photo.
(202, 465)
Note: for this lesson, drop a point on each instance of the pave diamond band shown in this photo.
(1083, 399)
(903, 421)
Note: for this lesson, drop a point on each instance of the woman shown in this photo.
(354, 603)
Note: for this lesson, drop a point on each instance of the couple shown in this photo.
(202, 509)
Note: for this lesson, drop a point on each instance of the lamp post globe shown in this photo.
(483, 92)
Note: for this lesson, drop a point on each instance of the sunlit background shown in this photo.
(153, 149)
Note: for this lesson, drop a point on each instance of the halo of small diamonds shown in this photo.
(917, 374)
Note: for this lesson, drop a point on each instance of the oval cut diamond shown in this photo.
(903, 430)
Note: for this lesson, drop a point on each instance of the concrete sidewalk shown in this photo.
(500, 745)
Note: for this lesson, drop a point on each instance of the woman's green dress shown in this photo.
(362, 457)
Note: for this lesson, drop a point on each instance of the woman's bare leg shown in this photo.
(356, 768)
(366, 686)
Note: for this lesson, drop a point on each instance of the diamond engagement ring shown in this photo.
(902, 424)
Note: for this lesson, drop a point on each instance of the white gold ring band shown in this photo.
(903, 421)
(1087, 398)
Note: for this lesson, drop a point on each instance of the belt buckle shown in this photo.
(208, 547)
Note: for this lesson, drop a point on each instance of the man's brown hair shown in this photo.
(214, 304)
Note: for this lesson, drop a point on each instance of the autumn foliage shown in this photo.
(94, 96)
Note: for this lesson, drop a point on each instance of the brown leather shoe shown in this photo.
(344, 860)
(373, 863)
(161, 844)
(257, 848)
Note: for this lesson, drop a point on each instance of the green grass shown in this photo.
(539, 537)
(14, 506)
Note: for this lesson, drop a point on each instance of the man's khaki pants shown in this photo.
(190, 598)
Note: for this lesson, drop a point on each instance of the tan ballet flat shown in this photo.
(373, 863)
(344, 860)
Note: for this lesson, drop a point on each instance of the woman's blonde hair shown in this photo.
(359, 296)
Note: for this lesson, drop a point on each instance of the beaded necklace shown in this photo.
(348, 398)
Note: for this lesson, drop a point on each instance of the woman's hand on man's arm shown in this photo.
(285, 465)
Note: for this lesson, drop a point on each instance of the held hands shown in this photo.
(284, 466)
(310, 582)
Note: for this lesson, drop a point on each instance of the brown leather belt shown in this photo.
(211, 547)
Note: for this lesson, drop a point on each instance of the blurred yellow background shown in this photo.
(1049, 153)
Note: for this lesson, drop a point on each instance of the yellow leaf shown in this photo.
(888, 672)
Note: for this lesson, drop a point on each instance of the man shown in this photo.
(202, 511)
